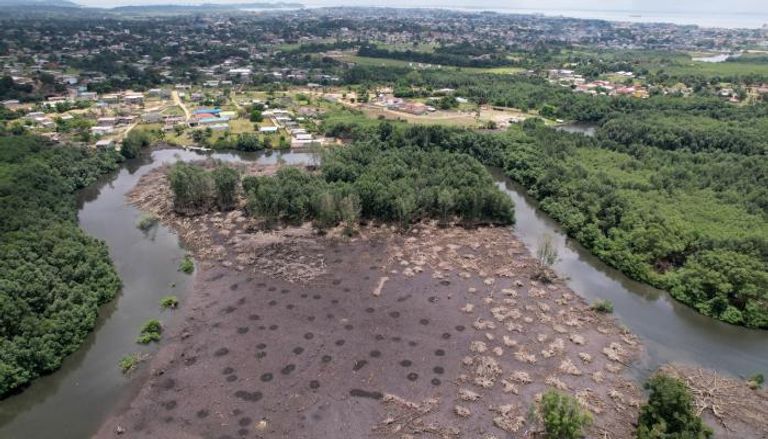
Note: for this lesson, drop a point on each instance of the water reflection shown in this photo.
(670, 330)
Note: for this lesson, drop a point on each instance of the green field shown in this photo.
(383, 62)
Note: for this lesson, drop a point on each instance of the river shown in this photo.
(73, 402)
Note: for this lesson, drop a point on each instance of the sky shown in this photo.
(732, 13)
(730, 6)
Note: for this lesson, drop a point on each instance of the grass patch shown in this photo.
(146, 222)
(151, 331)
(187, 265)
(603, 306)
(169, 302)
(129, 363)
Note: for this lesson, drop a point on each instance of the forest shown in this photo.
(53, 277)
(366, 181)
(692, 222)
(442, 57)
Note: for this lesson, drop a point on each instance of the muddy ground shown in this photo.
(433, 333)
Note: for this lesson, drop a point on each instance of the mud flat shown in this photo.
(432, 333)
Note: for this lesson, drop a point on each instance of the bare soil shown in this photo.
(438, 332)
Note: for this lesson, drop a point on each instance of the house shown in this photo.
(105, 144)
(133, 99)
(126, 120)
(101, 130)
(152, 117)
(88, 95)
(268, 130)
(106, 121)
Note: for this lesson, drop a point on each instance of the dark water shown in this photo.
(73, 402)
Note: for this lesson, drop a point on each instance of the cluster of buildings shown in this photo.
(579, 84)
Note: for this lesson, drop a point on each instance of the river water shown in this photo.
(73, 402)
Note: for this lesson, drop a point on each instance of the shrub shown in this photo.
(151, 331)
(226, 183)
(129, 362)
(187, 265)
(669, 412)
(756, 381)
(562, 416)
(603, 306)
(192, 188)
(146, 222)
(167, 302)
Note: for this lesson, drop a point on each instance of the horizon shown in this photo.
(738, 14)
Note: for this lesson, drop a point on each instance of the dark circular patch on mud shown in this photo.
(190, 361)
(375, 354)
(170, 405)
(227, 371)
(349, 327)
(273, 327)
(445, 282)
(288, 369)
(412, 343)
(229, 309)
(335, 301)
(254, 317)
(340, 342)
(432, 299)
(440, 352)
(396, 339)
(413, 376)
(168, 384)
(311, 318)
(446, 335)
(243, 329)
(358, 393)
(424, 322)
(298, 350)
(359, 364)
(336, 281)
(460, 328)
(314, 384)
(285, 291)
(438, 370)
(249, 396)
(261, 355)
(266, 377)
(326, 359)
(406, 363)
(290, 306)
(317, 297)
(330, 316)
(304, 295)
(244, 422)
(272, 303)
(231, 378)
(379, 337)
(273, 288)
(369, 310)
(221, 352)
(261, 346)
(435, 382)
(202, 414)
(233, 287)
(394, 314)
(261, 284)
(309, 336)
